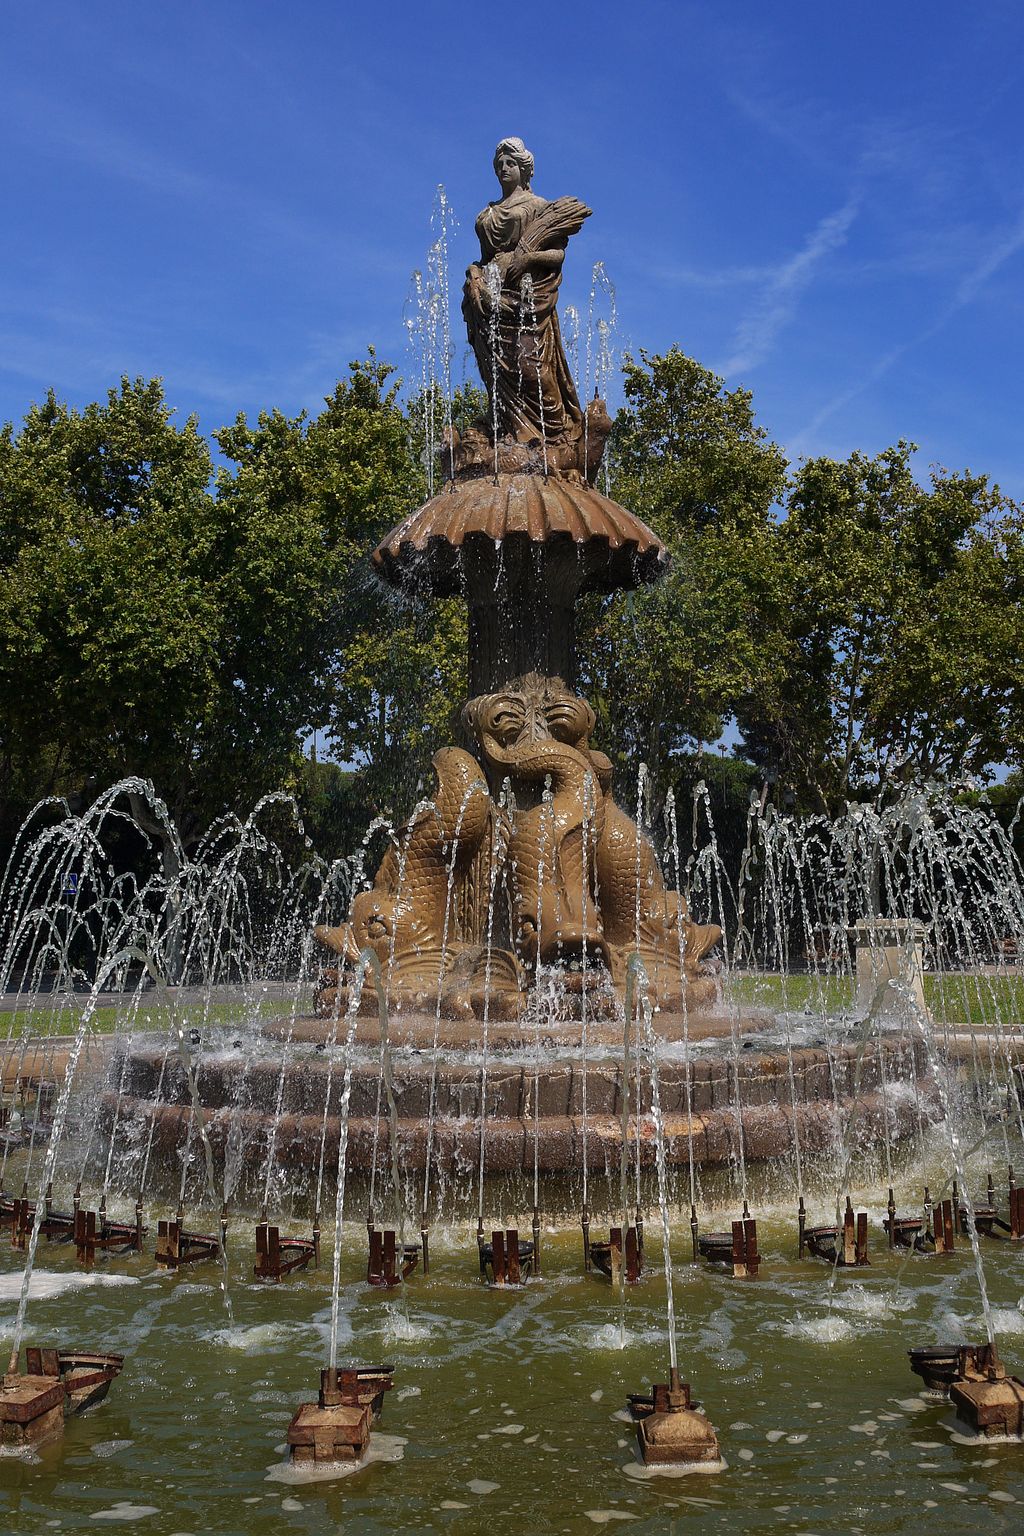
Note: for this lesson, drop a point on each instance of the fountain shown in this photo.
(508, 908)
(528, 1008)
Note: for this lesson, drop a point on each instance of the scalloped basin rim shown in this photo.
(524, 506)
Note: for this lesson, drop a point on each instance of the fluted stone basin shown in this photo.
(520, 549)
(531, 1106)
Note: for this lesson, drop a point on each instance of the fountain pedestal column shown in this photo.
(889, 954)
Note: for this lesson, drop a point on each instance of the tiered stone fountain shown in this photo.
(506, 913)
(516, 993)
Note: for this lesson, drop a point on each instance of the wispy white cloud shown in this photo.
(710, 278)
(804, 125)
(778, 301)
(998, 252)
(77, 132)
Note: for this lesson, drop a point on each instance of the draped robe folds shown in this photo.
(521, 359)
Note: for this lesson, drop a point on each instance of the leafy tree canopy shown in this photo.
(665, 667)
(191, 624)
(901, 628)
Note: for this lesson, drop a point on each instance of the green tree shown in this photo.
(901, 629)
(110, 622)
(666, 666)
(386, 671)
(185, 628)
(401, 675)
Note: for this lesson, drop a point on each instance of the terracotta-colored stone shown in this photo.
(667, 1438)
(509, 1124)
(340, 1432)
(31, 1409)
(990, 1407)
(670, 1429)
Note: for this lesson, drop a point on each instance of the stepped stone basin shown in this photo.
(528, 1106)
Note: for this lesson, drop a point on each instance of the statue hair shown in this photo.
(521, 155)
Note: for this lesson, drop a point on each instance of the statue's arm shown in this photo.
(526, 260)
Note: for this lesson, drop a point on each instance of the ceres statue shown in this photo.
(510, 308)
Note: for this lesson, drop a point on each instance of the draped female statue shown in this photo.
(509, 304)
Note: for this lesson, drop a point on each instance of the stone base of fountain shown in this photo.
(422, 1030)
(55, 1384)
(526, 1107)
(337, 1433)
(670, 1428)
(986, 1399)
(990, 1408)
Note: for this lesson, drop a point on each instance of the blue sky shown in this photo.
(823, 202)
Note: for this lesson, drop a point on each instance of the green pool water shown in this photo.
(510, 1403)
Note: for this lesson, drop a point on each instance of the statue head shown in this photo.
(513, 165)
(530, 709)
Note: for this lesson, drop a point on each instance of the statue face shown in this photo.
(534, 709)
(508, 171)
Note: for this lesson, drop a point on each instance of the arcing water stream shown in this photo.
(802, 1371)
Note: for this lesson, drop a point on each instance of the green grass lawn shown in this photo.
(64, 1019)
(953, 997)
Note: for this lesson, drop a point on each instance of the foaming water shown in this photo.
(258, 1337)
(611, 1336)
(397, 1328)
(125, 1512)
(641, 1473)
(25, 1453)
(1006, 1320)
(884, 1301)
(104, 1449)
(820, 1330)
(549, 1359)
(47, 1283)
(381, 1449)
(981, 1442)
